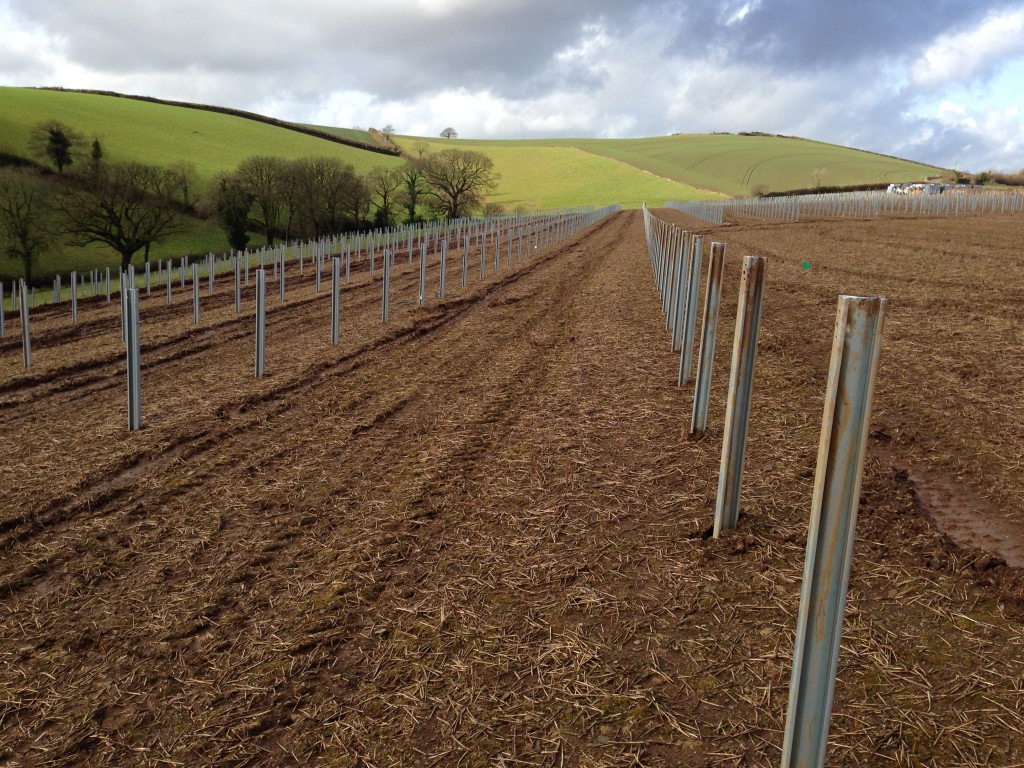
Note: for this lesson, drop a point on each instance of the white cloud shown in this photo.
(889, 77)
(957, 57)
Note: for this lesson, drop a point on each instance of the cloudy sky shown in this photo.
(938, 81)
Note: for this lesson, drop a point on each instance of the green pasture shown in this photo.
(352, 134)
(161, 134)
(745, 165)
(535, 176)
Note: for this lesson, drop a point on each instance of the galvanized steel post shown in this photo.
(423, 273)
(689, 319)
(238, 286)
(837, 480)
(261, 319)
(741, 381)
(195, 294)
(385, 304)
(26, 334)
(335, 299)
(74, 298)
(133, 366)
(444, 268)
(709, 326)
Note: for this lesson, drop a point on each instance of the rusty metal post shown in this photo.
(709, 327)
(837, 480)
(689, 318)
(741, 381)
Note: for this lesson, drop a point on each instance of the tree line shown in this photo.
(129, 206)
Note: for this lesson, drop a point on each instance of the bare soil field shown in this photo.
(478, 535)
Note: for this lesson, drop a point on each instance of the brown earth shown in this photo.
(477, 535)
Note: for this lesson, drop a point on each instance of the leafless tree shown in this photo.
(26, 225)
(124, 205)
(458, 181)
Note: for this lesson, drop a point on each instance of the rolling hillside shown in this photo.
(534, 174)
(162, 134)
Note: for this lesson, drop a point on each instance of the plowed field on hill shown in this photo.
(477, 535)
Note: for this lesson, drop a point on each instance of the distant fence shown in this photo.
(858, 205)
(536, 228)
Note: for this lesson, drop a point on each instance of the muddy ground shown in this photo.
(477, 535)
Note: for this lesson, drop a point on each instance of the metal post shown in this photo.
(465, 263)
(282, 274)
(238, 286)
(423, 273)
(195, 294)
(741, 380)
(108, 284)
(709, 326)
(444, 267)
(148, 280)
(26, 335)
(261, 318)
(335, 299)
(74, 298)
(689, 319)
(210, 270)
(387, 287)
(170, 281)
(837, 481)
(124, 308)
(133, 366)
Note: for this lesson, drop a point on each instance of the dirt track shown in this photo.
(475, 536)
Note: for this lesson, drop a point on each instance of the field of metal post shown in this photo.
(479, 534)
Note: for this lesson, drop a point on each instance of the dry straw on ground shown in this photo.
(476, 536)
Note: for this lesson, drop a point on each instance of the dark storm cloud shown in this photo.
(873, 73)
(826, 34)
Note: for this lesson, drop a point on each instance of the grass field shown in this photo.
(745, 165)
(162, 135)
(538, 176)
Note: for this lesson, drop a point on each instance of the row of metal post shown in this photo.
(845, 422)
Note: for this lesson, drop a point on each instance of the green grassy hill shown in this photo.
(539, 175)
(535, 174)
(161, 134)
(741, 165)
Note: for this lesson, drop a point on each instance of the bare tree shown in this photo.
(325, 187)
(458, 181)
(388, 131)
(449, 133)
(26, 228)
(186, 176)
(384, 184)
(123, 205)
(414, 187)
(263, 176)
